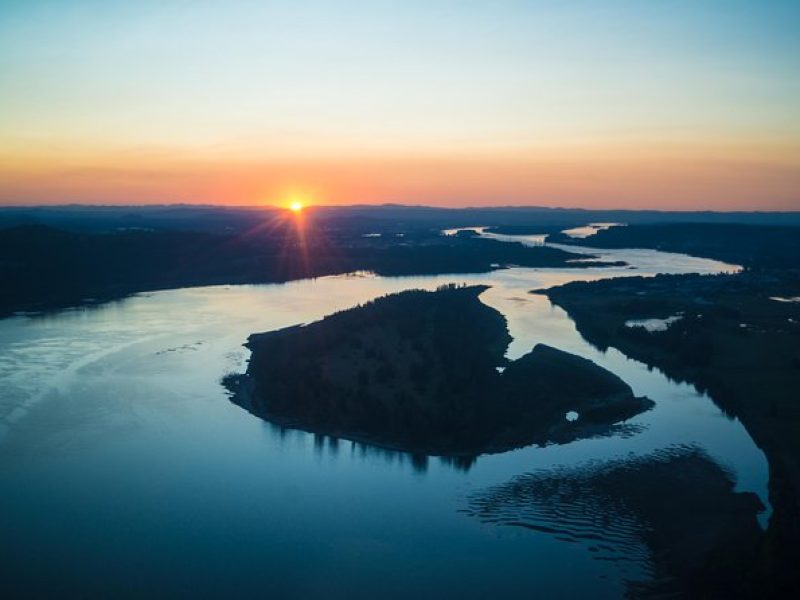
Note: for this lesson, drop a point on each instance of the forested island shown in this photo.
(425, 373)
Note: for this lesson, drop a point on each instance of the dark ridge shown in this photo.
(227, 219)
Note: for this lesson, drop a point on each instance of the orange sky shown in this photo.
(678, 105)
(679, 174)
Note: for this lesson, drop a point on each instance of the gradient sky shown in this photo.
(665, 104)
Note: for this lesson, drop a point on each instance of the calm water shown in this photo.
(124, 469)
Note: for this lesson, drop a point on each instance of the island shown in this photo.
(425, 373)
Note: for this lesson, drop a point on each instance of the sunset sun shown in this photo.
(296, 206)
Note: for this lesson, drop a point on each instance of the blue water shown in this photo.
(125, 469)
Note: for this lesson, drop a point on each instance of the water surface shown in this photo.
(124, 468)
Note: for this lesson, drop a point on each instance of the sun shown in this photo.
(295, 199)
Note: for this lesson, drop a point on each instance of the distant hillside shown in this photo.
(42, 267)
(358, 218)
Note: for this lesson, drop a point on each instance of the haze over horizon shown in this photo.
(679, 106)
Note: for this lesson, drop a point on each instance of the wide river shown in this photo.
(126, 470)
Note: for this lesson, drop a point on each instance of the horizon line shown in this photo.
(313, 207)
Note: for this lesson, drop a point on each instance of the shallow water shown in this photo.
(126, 470)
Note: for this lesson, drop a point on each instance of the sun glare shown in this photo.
(295, 206)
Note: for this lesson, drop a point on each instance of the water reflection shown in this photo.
(119, 438)
(659, 517)
(328, 446)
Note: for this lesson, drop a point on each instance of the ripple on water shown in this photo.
(657, 516)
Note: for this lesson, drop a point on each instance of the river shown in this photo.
(126, 470)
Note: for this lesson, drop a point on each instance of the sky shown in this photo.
(658, 104)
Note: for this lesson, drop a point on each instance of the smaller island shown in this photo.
(425, 373)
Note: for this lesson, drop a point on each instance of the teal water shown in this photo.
(125, 470)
